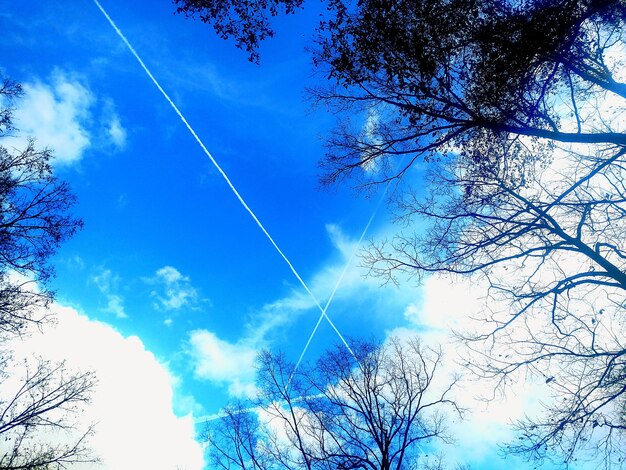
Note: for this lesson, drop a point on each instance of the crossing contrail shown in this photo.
(339, 281)
(221, 171)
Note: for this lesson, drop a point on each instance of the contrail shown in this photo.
(221, 171)
(251, 409)
(224, 414)
(339, 281)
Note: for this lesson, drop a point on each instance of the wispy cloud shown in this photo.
(370, 130)
(107, 283)
(173, 290)
(232, 363)
(63, 114)
(429, 311)
(117, 132)
(114, 134)
(223, 362)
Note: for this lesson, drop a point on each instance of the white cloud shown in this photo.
(132, 402)
(116, 132)
(223, 362)
(340, 240)
(175, 290)
(60, 116)
(170, 275)
(113, 134)
(107, 283)
(233, 363)
(450, 303)
(115, 305)
(430, 312)
(57, 116)
(74, 262)
(614, 58)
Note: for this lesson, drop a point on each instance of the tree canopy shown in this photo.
(450, 76)
(248, 23)
(37, 396)
(455, 77)
(518, 107)
(378, 409)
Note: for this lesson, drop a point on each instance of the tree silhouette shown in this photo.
(517, 107)
(36, 396)
(376, 410)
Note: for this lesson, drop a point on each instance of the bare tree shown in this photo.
(548, 239)
(234, 442)
(34, 221)
(373, 411)
(518, 108)
(35, 418)
(440, 78)
(40, 401)
(525, 186)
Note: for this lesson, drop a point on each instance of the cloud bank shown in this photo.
(132, 402)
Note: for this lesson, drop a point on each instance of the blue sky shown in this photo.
(170, 268)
